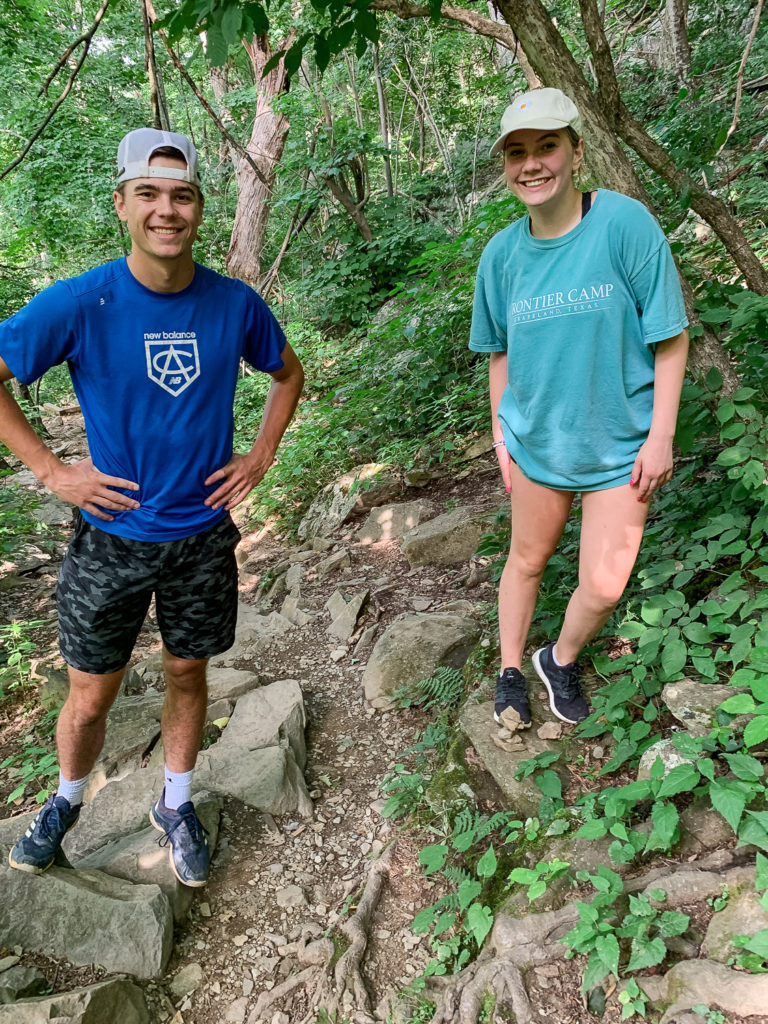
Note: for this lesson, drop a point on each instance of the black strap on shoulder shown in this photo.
(586, 203)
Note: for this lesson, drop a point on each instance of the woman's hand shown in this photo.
(653, 467)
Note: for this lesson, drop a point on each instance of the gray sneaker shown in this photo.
(185, 836)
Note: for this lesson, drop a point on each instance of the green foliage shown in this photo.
(632, 1000)
(597, 935)
(17, 517)
(37, 763)
(17, 647)
(444, 690)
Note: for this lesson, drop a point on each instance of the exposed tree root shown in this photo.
(516, 944)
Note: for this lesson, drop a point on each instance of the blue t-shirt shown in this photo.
(155, 375)
(578, 317)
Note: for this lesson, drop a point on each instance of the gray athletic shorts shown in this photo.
(106, 584)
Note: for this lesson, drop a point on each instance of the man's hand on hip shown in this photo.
(91, 490)
(239, 477)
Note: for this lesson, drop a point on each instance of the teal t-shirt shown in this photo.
(578, 317)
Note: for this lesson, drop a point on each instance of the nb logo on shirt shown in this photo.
(173, 365)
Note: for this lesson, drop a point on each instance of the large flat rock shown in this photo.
(116, 1001)
(87, 917)
(523, 796)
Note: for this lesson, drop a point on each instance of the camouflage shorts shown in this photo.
(106, 584)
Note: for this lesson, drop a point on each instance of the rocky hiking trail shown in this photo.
(308, 912)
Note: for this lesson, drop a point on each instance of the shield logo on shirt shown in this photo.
(173, 364)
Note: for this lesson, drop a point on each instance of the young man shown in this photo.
(153, 342)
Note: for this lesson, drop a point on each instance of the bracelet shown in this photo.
(497, 444)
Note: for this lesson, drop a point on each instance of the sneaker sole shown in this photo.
(184, 881)
(31, 869)
(543, 677)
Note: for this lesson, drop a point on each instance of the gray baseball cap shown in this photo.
(540, 108)
(136, 150)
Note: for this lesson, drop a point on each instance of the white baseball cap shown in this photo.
(540, 108)
(136, 150)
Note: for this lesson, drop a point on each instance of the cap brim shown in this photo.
(542, 123)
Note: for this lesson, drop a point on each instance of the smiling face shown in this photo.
(162, 216)
(539, 166)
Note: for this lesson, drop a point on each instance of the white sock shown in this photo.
(554, 658)
(178, 788)
(72, 791)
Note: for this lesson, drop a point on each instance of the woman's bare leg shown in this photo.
(612, 525)
(539, 515)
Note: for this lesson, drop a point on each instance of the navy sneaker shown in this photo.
(563, 683)
(511, 708)
(37, 848)
(185, 837)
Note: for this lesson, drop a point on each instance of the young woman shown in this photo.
(580, 308)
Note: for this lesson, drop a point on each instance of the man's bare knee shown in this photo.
(184, 674)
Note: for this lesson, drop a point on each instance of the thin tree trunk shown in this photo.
(154, 74)
(265, 147)
(674, 27)
(383, 118)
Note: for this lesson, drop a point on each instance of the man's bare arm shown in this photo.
(80, 483)
(243, 472)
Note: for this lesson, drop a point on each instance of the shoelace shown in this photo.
(569, 678)
(195, 827)
(510, 688)
(47, 819)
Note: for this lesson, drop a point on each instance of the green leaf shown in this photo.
(732, 456)
(216, 46)
(550, 785)
(681, 779)
(646, 953)
(537, 889)
(433, 857)
(751, 831)
(479, 921)
(745, 767)
(423, 920)
(672, 923)
(607, 948)
(759, 943)
(697, 633)
(594, 829)
(231, 21)
(665, 818)
(756, 731)
(587, 912)
(594, 972)
(469, 890)
(673, 657)
(740, 704)
(486, 866)
(523, 876)
(761, 878)
(727, 802)
(444, 922)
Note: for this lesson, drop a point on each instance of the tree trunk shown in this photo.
(383, 118)
(676, 49)
(265, 148)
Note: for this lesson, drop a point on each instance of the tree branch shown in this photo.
(85, 40)
(740, 77)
